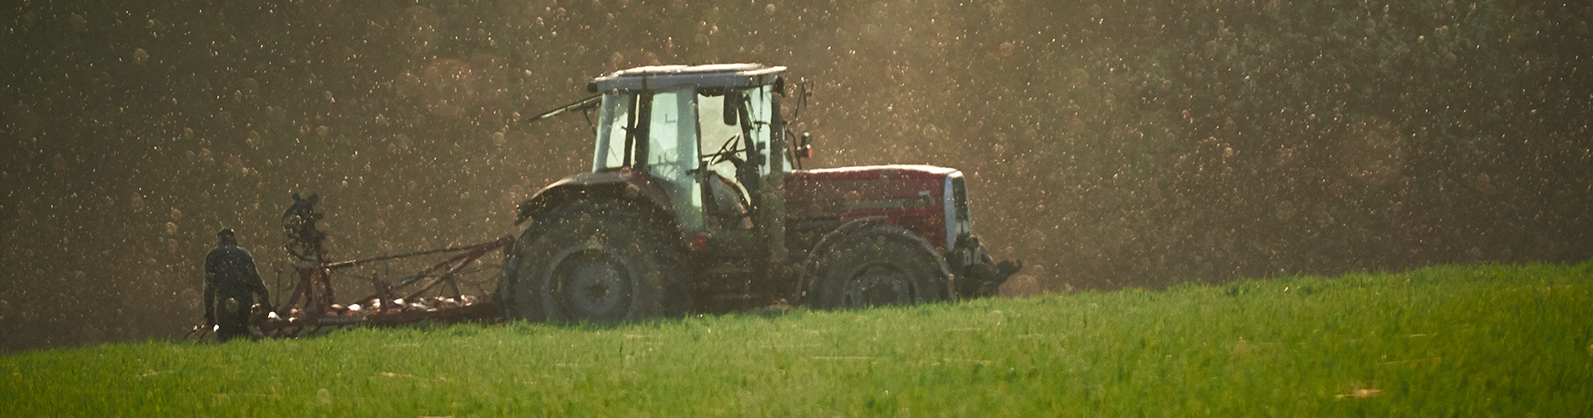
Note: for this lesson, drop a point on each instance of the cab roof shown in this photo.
(659, 77)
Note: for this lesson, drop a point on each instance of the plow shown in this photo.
(431, 295)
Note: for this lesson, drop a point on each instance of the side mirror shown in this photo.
(805, 149)
(732, 105)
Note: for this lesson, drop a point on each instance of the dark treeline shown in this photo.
(1108, 143)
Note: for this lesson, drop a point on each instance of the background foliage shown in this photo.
(1108, 143)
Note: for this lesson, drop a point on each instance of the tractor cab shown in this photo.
(707, 135)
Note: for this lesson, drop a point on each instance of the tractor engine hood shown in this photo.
(910, 195)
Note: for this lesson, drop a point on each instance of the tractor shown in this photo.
(692, 205)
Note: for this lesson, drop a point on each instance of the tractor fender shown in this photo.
(810, 264)
(623, 184)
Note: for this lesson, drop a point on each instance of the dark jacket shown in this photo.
(230, 273)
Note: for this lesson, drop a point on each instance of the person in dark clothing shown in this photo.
(231, 283)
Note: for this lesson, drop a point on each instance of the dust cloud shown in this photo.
(1109, 144)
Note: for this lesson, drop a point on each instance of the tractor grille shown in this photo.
(956, 209)
(959, 193)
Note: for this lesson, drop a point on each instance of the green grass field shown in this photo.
(1444, 341)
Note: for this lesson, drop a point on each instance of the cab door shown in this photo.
(733, 127)
(671, 153)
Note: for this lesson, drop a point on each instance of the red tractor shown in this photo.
(692, 205)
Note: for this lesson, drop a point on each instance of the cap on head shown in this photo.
(226, 235)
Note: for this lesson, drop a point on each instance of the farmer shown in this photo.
(231, 277)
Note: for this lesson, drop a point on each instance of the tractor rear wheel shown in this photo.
(875, 266)
(596, 261)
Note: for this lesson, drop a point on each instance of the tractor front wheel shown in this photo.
(876, 266)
